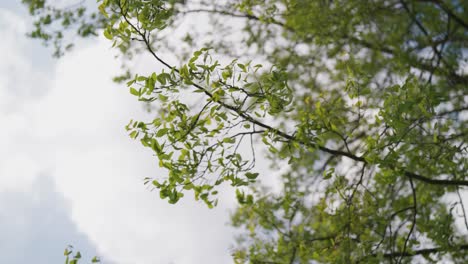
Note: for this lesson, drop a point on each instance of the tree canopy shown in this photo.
(363, 105)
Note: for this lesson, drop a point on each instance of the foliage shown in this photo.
(71, 258)
(365, 100)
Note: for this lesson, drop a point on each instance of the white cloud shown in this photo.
(101, 170)
(19, 84)
(74, 129)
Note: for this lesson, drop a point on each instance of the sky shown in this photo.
(69, 173)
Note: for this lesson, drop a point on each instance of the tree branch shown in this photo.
(278, 132)
(424, 251)
(449, 12)
(435, 181)
(413, 224)
(416, 63)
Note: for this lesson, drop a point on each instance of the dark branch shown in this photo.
(413, 224)
(450, 13)
(434, 181)
(424, 251)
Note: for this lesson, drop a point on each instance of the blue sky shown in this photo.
(69, 174)
(37, 225)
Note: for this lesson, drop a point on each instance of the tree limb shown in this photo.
(278, 132)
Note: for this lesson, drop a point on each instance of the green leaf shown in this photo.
(162, 132)
(328, 173)
(108, 34)
(134, 91)
(102, 9)
(229, 140)
(251, 176)
(163, 98)
(134, 134)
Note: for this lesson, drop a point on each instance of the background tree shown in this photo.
(365, 100)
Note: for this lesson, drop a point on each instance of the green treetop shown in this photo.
(365, 100)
